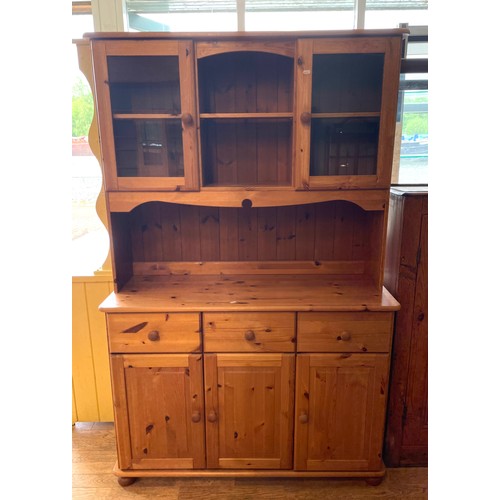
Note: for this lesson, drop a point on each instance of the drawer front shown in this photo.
(344, 332)
(154, 332)
(249, 332)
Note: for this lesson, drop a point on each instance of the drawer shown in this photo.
(154, 332)
(344, 332)
(249, 332)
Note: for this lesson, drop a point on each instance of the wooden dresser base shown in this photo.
(126, 478)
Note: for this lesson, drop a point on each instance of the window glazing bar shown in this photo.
(359, 14)
(240, 11)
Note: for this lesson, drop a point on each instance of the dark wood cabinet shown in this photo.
(406, 279)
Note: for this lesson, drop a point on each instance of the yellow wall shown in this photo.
(92, 401)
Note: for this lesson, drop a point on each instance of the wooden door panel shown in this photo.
(249, 401)
(340, 408)
(415, 421)
(164, 398)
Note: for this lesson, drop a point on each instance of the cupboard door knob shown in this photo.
(303, 417)
(212, 416)
(345, 336)
(305, 118)
(196, 417)
(187, 119)
(250, 335)
(154, 335)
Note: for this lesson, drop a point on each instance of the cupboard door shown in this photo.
(159, 411)
(147, 114)
(345, 112)
(249, 410)
(340, 410)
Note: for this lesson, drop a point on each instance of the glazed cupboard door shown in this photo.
(339, 411)
(249, 410)
(159, 411)
(346, 104)
(147, 114)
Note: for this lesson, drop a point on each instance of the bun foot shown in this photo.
(126, 481)
(374, 481)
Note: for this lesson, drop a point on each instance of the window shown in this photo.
(90, 241)
(161, 15)
(413, 155)
(299, 15)
(277, 15)
(412, 136)
(391, 13)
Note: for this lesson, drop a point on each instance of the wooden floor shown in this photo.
(94, 457)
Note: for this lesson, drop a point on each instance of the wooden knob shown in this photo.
(345, 336)
(154, 335)
(250, 335)
(196, 417)
(305, 118)
(187, 119)
(303, 418)
(212, 416)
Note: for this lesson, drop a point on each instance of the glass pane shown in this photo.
(299, 15)
(161, 15)
(347, 83)
(344, 146)
(299, 21)
(382, 14)
(413, 162)
(80, 24)
(144, 84)
(417, 50)
(149, 148)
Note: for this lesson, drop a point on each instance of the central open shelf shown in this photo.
(246, 119)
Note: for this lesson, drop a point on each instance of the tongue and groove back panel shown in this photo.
(330, 232)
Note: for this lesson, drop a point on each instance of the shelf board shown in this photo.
(372, 199)
(248, 187)
(360, 114)
(249, 293)
(223, 116)
(146, 116)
